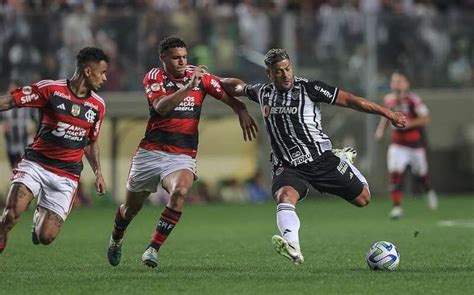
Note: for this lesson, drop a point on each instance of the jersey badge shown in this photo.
(155, 87)
(26, 90)
(75, 110)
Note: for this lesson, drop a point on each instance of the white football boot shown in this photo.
(347, 153)
(287, 249)
(150, 257)
(396, 212)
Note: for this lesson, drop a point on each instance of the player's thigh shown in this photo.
(343, 180)
(419, 163)
(398, 158)
(48, 224)
(18, 199)
(288, 186)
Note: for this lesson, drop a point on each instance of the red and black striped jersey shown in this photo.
(177, 131)
(68, 123)
(412, 106)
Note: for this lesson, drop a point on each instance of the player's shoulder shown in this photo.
(51, 83)
(98, 99)
(154, 74)
(413, 97)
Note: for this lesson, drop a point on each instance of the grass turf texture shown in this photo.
(226, 249)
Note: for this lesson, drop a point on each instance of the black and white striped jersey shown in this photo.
(16, 122)
(293, 119)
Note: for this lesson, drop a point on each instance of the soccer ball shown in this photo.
(383, 256)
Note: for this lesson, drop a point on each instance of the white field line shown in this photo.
(466, 223)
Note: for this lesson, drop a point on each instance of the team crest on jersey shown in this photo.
(75, 110)
(90, 116)
(155, 87)
(26, 90)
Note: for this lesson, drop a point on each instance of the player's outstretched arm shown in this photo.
(6, 102)
(348, 100)
(167, 103)
(92, 155)
(233, 86)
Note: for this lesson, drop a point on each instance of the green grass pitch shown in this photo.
(226, 249)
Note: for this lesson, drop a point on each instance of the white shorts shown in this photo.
(399, 157)
(150, 167)
(55, 193)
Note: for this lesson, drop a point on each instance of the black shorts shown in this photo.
(328, 174)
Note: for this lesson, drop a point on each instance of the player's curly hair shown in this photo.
(170, 42)
(90, 54)
(275, 55)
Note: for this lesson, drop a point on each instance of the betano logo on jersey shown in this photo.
(268, 110)
(69, 131)
(187, 105)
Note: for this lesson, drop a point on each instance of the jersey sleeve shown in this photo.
(154, 89)
(34, 96)
(321, 92)
(252, 91)
(213, 86)
(94, 134)
(419, 106)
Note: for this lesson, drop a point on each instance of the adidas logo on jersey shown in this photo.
(61, 107)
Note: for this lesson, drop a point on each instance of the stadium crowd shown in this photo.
(431, 40)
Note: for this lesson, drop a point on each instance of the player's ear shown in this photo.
(267, 71)
(87, 71)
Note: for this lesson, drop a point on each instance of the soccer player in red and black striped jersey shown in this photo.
(71, 117)
(167, 152)
(408, 146)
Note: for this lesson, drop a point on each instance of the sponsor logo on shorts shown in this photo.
(342, 167)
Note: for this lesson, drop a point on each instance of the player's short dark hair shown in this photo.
(403, 73)
(275, 55)
(90, 54)
(170, 42)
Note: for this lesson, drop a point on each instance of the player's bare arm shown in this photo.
(6, 102)
(348, 100)
(92, 155)
(233, 86)
(247, 123)
(167, 103)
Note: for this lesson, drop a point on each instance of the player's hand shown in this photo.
(398, 119)
(248, 125)
(198, 72)
(100, 184)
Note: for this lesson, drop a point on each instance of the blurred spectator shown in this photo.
(232, 191)
(256, 189)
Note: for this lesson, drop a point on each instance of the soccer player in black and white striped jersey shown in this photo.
(301, 152)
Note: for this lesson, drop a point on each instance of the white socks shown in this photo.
(288, 222)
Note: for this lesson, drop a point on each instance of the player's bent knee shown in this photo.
(179, 191)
